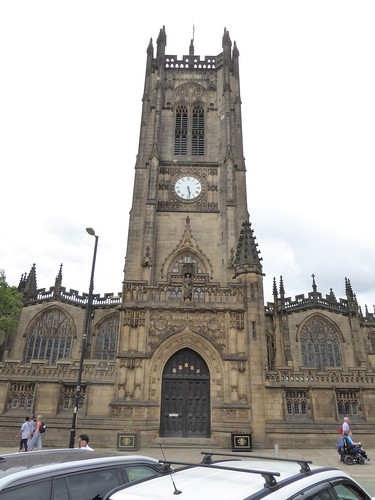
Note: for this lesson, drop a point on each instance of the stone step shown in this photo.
(201, 443)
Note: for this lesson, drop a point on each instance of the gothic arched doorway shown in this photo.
(185, 396)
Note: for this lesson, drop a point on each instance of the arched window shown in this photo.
(180, 136)
(186, 258)
(197, 144)
(270, 352)
(371, 338)
(189, 129)
(107, 338)
(319, 344)
(50, 337)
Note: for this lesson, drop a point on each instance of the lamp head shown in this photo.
(90, 231)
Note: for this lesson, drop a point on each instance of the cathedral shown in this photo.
(190, 351)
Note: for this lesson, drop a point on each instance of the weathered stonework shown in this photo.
(189, 349)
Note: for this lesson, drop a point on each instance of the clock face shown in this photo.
(188, 187)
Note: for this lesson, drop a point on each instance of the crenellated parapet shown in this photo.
(301, 302)
(316, 300)
(33, 295)
(72, 297)
(192, 62)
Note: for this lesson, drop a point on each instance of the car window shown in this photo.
(59, 489)
(348, 492)
(319, 495)
(36, 489)
(137, 472)
(93, 484)
(320, 492)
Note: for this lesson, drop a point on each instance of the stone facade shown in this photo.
(189, 349)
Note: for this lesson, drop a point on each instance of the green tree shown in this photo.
(10, 308)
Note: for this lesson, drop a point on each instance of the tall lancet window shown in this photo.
(197, 144)
(180, 137)
(107, 338)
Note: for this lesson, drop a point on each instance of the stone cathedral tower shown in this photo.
(191, 351)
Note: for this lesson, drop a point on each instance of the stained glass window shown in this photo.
(319, 344)
(50, 337)
(107, 338)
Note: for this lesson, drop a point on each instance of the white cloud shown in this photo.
(70, 107)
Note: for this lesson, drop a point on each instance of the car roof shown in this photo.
(216, 482)
(45, 457)
(19, 469)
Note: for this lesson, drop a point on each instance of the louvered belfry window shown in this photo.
(180, 138)
(197, 144)
(189, 129)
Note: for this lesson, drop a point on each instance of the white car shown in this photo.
(248, 479)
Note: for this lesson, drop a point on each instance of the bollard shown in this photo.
(276, 451)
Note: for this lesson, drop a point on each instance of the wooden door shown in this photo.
(185, 408)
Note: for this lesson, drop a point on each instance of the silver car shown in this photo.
(71, 474)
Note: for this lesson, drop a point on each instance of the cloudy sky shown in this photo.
(71, 84)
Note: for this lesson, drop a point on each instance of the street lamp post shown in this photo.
(84, 337)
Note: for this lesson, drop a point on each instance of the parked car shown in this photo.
(255, 478)
(10, 461)
(71, 474)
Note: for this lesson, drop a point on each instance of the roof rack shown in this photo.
(207, 459)
(268, 476)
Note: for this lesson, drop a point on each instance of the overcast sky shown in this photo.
(71, 84)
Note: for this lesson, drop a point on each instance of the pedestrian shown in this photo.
(32, 425)
(37, 435)
(24, 432)
(83, 442)
(345, 425)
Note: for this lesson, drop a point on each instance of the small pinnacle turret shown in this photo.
(58, 283)
(28, 285)
(282, 288)
(247, 255)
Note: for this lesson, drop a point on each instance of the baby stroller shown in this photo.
(350, 454)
